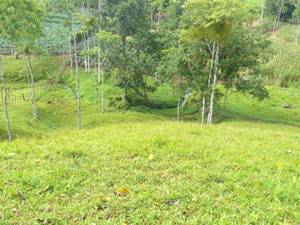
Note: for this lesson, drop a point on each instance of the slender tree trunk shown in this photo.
(32, 86)
(146, 96)
(2, 96)
(85, 48)
(102, 93)
(203, 109)
(297, 36)
(88, 57)
(125, 93)
(225, 100)
(278, 19)
(213, 52)
(94, 40)
(178, 108)
(71, 60)
(77, 70)
(96, 90)
(84, 40)
(159, 17)
(262, 12)
(99, 45)
(5, 102)
(88, 45)
(30, 89)
(210, 115)
(151, 16)
(99, 64)
(8, 96)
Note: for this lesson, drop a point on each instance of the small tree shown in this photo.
(12, 28)
(239, 63)
(212, 21)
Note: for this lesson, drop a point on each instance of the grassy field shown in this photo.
(139, 166)
(154, 173)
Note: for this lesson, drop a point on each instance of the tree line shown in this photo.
(193, 45)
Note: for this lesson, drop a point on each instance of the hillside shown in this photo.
(154, 172)
(61, 112)
(145, 159)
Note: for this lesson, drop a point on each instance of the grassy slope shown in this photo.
(62, 112)
(269, 110)
(176, 174)
(64, 174)
(14, 70)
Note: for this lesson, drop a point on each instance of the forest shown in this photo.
(149, 111)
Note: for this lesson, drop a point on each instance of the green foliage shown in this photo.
(283, 68)
(240, 61)
(212, 19)
(273, 6)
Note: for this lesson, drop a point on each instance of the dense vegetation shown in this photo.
(139, 79)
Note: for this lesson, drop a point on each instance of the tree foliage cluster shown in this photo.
(196, 45)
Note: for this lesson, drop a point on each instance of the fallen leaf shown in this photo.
(105, 199)
(150, 157)
(122, 191)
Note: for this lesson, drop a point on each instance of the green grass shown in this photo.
(244, 170)
(177, 173)
(270, 110)
(43, 67)
(255, 4)
(61, 113)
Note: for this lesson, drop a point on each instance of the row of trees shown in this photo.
(194, 45)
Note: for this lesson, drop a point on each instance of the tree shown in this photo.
(13, 15)
(212, 21)
(173, 67)
(283, 7)
(107, 40)
(131, 20)
(76, 65)
(240, 62)
(262, 12)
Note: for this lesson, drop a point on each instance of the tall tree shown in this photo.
(212, 21)
(76, 64)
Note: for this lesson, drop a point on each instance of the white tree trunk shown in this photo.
(203, 109)
(85, 47)
(178, 108)
(32, 86)
(88, 57)
(159, 17)
(275, 28)
(102, 93)
(211, 107)
(71, 60)
(5, 102)
(77, 70)
(262, 12)
(213, 52)
(99, 46)
(96, 91)
(297, 36)
(84, 40)
(30, 89)
(151, 16)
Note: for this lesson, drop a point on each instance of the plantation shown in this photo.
(149, 112)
